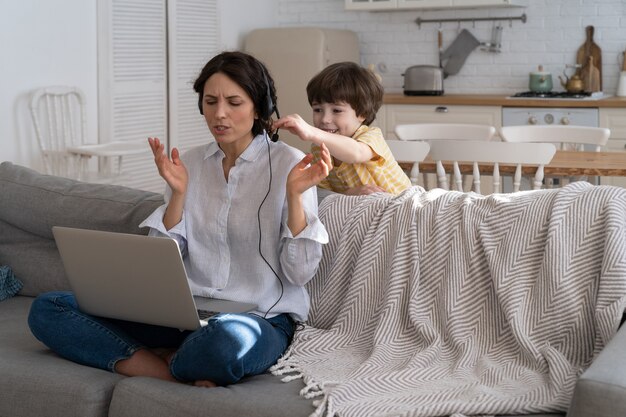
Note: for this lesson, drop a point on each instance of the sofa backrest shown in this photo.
(31, 203)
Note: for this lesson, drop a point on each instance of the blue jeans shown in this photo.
(228, 348)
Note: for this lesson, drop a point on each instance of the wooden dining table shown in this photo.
(563, 164)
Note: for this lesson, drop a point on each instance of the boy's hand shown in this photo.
(297, 126)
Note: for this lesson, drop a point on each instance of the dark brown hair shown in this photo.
(251, 75)
(350, 83)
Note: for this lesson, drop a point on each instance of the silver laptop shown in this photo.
(135, 278)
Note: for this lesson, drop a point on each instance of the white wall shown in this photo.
(43, 43)
(55, 43)
(554, 31)
(241, 16)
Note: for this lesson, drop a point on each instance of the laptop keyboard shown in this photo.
(205, 314)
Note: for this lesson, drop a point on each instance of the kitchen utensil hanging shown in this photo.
(458, 51)
(621, 61)
(495, 43)
(591, 69)
(440, 44)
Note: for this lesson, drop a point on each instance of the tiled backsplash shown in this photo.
(552, 34)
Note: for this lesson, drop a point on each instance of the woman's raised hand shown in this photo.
(306, 174)
(172, 170)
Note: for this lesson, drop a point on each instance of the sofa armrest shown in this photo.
(601, 389)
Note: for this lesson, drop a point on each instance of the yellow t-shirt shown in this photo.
(382, 169)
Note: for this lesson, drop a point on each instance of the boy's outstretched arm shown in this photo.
(341, 147)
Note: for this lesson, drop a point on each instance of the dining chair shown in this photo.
(441, 131)
(566, 137)
(492, 154)
(58, 115)
(409, 151)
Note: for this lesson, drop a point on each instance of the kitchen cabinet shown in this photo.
(371, 4)
(391, 115)
(379, 5)
(615, 121)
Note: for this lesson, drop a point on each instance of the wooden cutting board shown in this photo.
(589, 48)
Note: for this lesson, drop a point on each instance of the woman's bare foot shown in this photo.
(155, 363)
(145, 363)
(205, 384)
(164, 353)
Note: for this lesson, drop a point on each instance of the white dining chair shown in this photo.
(562, 135)
(444, 131)
(490, 153)
(59, 120)
(441, 131)
(565, 137)
(409, 151)
(58, 115)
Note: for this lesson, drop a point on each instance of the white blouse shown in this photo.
(219, 233)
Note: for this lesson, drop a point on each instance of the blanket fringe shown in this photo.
(324, 408)
(291, 371)
(292, 377)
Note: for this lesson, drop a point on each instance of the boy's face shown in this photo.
(337, 118)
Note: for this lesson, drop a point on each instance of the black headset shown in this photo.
(271, 106)
(266, 111)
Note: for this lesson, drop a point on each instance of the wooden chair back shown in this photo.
(441, 131)
(490, 153)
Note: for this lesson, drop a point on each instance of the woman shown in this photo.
(244, 212)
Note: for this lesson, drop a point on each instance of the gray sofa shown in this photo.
(36, 382)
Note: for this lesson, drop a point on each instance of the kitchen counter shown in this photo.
(502, 100)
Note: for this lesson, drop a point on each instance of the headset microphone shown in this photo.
(275, 135)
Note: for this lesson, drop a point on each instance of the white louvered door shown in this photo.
(194, 37)
(150, 52)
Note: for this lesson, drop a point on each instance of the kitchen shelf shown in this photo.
(389, 5)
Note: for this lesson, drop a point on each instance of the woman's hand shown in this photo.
(305, 175)
(172, 170)
(302, 177)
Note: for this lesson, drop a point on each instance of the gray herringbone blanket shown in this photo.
(443, 303)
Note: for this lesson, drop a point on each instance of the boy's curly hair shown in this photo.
(350, 83)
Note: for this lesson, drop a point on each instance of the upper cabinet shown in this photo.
(371, 4)
(428, 4)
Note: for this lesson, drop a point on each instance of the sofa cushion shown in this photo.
(601, 389)
(260, 396)
(35, 202)
(32, 203)
(36, 382)
(34, 260)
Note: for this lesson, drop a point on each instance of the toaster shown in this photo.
(423, 80)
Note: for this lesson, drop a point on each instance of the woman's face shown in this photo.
(228, 110)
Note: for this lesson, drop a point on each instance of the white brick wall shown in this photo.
(551, 36)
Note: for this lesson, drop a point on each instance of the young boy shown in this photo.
(345, 98)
